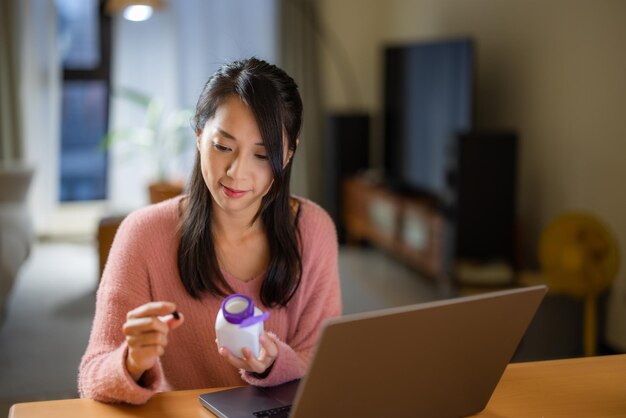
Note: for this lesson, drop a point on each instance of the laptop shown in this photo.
(436, 359)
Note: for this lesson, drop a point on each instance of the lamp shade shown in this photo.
(136, 10)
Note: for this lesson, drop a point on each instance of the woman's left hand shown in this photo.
(267, 356)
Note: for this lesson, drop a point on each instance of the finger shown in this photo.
(269, 345)
(232, 359)
(175, 320)
(140, 325)
(147, 339)
(266, 358)
(253, 364)
(152, 309)
(143, 357)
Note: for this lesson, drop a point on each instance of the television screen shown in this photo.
(428, 99)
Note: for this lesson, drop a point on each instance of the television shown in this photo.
(428, 100)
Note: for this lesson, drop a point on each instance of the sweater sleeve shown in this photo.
(321, 296)
(124, 286)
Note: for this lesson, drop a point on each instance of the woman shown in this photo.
(237, 231)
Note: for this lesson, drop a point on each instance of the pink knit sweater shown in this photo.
(142, 267)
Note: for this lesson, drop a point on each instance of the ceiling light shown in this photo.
(135, 10)
(138, 12)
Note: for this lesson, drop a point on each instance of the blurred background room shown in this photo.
(460, 146)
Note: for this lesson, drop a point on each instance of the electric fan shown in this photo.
(579, 256)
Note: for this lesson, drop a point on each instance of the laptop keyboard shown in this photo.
(282, 412)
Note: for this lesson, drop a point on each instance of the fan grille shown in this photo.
(579, 255)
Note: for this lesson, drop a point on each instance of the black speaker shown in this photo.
(346, 153)
(482, 184)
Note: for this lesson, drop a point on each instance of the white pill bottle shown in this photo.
(239, 324)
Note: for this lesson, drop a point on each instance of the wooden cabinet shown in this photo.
(406, 227)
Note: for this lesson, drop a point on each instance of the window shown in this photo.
(84, 33)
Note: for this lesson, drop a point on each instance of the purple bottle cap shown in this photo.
(236, 308)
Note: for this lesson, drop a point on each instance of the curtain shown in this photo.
(11, 147)
(298, 56)
(39, 89)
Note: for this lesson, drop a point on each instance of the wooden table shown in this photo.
(582, 387)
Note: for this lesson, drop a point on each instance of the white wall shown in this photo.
(553, 70)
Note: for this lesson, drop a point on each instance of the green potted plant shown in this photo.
(164, 135)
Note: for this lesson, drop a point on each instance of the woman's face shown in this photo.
(234, 161)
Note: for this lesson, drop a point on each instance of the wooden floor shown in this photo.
(373, 280)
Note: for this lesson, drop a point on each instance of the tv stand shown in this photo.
(408, 227)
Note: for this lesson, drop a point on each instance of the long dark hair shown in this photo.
(273, 98)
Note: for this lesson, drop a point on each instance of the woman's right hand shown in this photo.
(146, 330)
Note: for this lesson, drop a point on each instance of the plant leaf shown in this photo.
(115, 136)
(134, 96)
